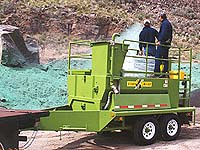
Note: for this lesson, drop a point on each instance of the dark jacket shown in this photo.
(148, 34)
(165, 33)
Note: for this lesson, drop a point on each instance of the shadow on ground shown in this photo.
(123, 140)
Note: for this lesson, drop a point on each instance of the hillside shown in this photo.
(52, 23)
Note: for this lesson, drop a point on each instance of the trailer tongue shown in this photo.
(11, 121)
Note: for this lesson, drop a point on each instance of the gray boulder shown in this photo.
(13, 50)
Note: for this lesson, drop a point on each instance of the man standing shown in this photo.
(164, 38)
(148, 34)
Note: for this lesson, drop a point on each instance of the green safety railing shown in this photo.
(178, 61)
(83, 56)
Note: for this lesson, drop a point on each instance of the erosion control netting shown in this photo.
(36, 87)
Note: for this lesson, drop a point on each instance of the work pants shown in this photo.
(151, 50)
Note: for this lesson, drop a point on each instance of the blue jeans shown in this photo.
(151, 50)
(162, 53)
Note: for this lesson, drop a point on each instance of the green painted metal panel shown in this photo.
(100, 58)
(88, 91)
(84, 86)
(80, 72)
(76, 120)
(148, 100)
(71, 85)
(95, 120)
(108, 59)
(156, 111)
(174, 92)
(118, 57)
(101, 83)
(81, 103)
(159, 85)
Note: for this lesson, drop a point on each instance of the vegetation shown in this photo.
(93, 19)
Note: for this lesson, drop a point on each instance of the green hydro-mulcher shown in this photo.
(106, 97)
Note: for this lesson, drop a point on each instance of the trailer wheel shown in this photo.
(170, 127)
(145, 131)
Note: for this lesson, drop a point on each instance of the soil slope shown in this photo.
(53, 23)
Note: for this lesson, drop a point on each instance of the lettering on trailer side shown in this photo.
(135, 83)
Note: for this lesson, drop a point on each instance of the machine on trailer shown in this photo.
(106, 98)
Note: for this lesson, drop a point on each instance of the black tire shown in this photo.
(170, 127)
(145, 131)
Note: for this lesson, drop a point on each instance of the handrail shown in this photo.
(84, 42)
(127, 40)
(190, 77)
(178, 61)
(81, 56)
(144, 57)
(88, 56)
(148, 43)
(114, 36)
(84, 56)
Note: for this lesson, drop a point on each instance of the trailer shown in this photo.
(12, 122)
(104, 98)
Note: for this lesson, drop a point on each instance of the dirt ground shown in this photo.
(189, 139)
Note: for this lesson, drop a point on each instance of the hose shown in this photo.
(114, 89)
(1, 146)
(30, 141)
(109, 100)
